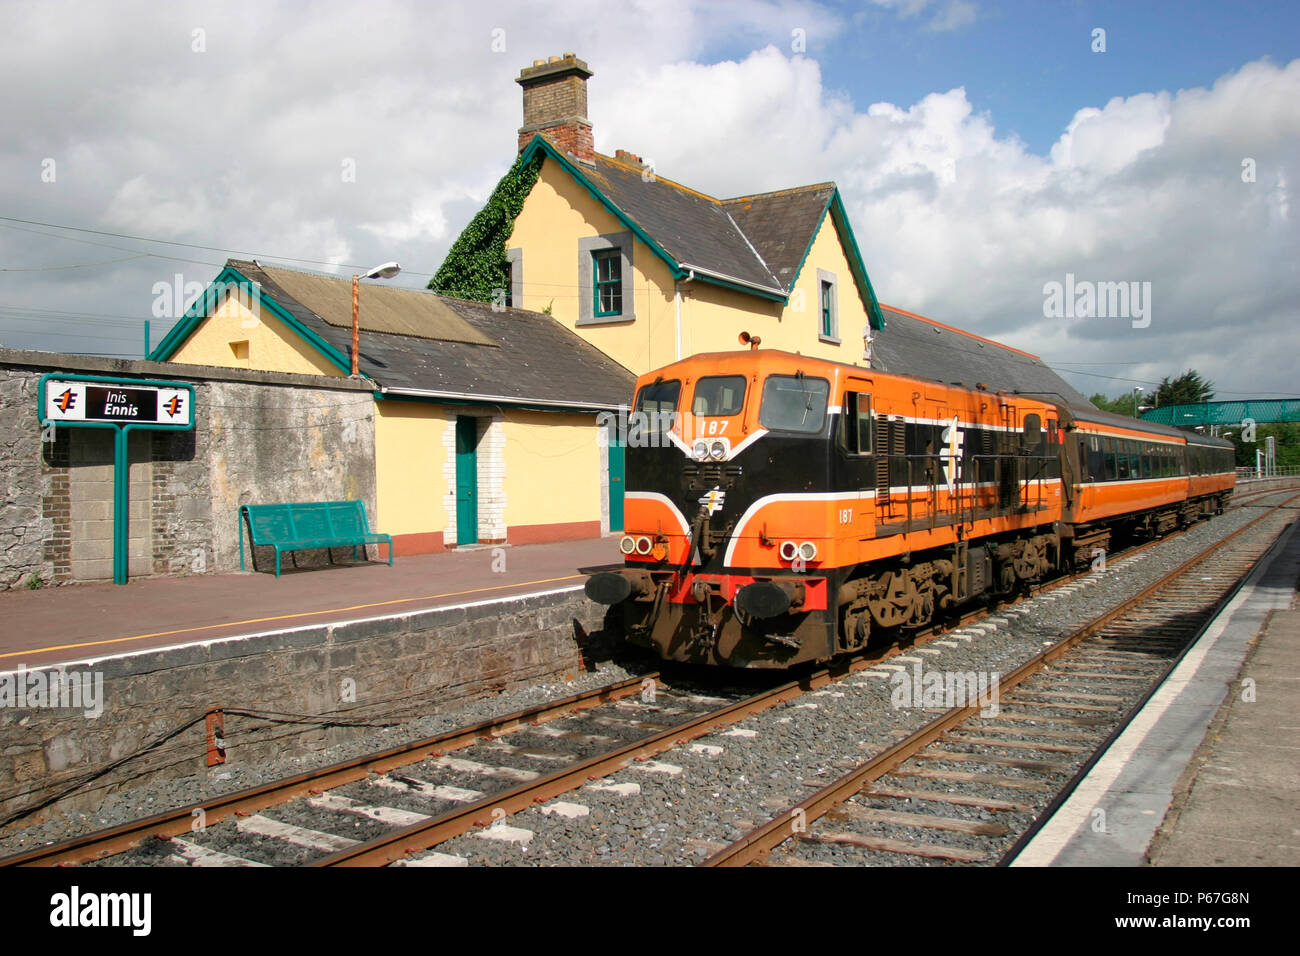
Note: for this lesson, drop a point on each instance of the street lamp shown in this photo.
(386, 271)
(1136, 389)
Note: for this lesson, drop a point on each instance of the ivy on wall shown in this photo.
(476, 263)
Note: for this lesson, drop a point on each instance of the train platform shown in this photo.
(88, 621)
(1208, 773)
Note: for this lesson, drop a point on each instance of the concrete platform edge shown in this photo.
(146, 660)
(1133, 784)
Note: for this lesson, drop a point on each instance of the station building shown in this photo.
(650, 271)
(485, 418)
(471, 422)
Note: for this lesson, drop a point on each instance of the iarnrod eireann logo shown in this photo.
(76, 909)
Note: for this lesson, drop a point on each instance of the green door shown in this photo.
(466, 480)
(616, 485)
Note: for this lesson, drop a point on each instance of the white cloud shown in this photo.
(959, 222)
(242, 147)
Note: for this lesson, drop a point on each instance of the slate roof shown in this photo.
(761, 239)
(913, 345)
(781, 225)
(690, 226)
(532, 358)
(388, 308)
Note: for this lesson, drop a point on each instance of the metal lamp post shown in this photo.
(386, 271)
(1136, 389)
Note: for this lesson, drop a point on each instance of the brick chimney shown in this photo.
(555, 105)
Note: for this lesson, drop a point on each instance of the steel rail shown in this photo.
(391, 847)
(1064, 794)
(105, 843)
(171, 823)
(762, 840)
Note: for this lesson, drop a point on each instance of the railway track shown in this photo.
(974, 784)
(398, 806)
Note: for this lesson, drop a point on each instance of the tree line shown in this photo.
(1191, 388)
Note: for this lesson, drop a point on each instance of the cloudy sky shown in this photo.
(984, 149)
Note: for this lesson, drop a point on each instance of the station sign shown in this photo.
(129, 403)
(120, 406)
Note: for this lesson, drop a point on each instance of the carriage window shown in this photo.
(719, 395)
(1121, 459)
(1096, 459)
(1108, 448)
(794, 403)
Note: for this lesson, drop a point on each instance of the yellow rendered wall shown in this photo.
(713, 317)
(557, 213)
(410, 455)
(552, 468)
(799, 330)
(272, 346)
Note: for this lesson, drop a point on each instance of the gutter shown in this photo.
(768, 291)
(480, 399)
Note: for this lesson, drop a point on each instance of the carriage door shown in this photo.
(466, 480)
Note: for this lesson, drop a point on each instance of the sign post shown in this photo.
(124, 405)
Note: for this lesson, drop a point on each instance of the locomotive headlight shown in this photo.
(718, 451)
(627, 544)
(808, 551)
(788, 550)
(643, 545)
(701, 450)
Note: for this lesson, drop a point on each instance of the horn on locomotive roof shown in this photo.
(753, 341)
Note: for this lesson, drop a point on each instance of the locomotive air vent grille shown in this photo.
(702, 477)
(882, 461)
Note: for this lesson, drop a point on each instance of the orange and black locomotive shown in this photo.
(783, 509)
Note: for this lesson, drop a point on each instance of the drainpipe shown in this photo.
(677, 305)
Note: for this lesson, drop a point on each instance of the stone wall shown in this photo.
(259, 438)
(35, 529)
(152, 722)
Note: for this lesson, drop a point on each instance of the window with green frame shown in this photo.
(607, 269)
(828, 314)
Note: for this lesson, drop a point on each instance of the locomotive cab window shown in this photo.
(659, 397)
(719, 395)
(794, 403)
(657, 403)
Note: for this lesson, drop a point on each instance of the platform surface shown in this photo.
(83, 621)
(1240, 802)
(1208, 773)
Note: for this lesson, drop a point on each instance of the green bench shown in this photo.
(304, 525)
